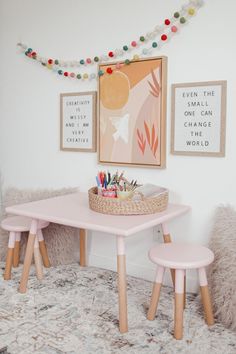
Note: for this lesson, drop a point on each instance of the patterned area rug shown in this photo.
(74, 310)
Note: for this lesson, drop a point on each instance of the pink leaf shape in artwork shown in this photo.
(154, 94)
(142, 146)
(141, 141)
(156, 83)
(155, 147)
(154, 90)
(153, 136)
(147, 133)
(139, 134)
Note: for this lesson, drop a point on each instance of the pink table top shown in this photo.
(73, 210)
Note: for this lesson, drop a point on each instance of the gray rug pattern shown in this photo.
(75, 310)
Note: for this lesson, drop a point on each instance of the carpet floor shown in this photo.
(74, 310)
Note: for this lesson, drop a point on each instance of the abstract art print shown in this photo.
(132, 113)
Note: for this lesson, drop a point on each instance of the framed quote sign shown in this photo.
(132, 113)
(78, 121)
(198, 118)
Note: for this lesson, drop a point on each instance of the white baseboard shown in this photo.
(139, 271)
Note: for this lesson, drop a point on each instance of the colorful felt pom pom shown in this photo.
(164, 37)
(174, 29)
(109, 70)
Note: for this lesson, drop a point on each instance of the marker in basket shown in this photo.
(109, 177)
(111, 180)
(101, 178)
(98, 182)
(105, 182)
(121, 176)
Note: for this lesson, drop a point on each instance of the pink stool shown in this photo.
(181, 257)
(15, 225)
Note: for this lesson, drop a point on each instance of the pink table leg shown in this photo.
(38, 260)
(121, 269)
(43, 249)
(28, 256)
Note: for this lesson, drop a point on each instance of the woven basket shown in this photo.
(115, 206)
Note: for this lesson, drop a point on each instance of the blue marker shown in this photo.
(98, 183)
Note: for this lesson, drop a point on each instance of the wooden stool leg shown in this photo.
(82, 241)
(43, 249)
(9, 259)
(206, 300)
(28, 256)
(121, 269)
(167, 239)
(184, 289)
(179, 303)
(16, 255)
(155, 293)
(38, 260)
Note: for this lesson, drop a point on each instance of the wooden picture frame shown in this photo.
(132, 113)
(78, 121)
(198, 122)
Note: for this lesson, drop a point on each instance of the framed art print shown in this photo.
(198, 118)
(78, 121)
(132, 113)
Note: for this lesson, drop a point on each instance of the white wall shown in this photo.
(204, 50)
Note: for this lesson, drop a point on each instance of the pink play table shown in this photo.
(73, 210)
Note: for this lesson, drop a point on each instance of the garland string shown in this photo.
(152, 40)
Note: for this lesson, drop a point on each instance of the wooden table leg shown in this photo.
(28, 256)
(43, 249)
(38, 260)
(184, 289)
(167, 239)
(82, 242)
(121, 269)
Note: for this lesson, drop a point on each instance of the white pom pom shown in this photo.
(157, 29)
(92, 76)
(104, 58)
(118, 52)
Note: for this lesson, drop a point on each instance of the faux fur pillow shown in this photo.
(62, 241)
(222, 273)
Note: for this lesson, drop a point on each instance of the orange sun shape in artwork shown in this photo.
(114, 92)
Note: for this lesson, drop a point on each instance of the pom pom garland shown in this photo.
(161, 33)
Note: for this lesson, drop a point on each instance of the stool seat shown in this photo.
(181, 256)
(20, 224)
